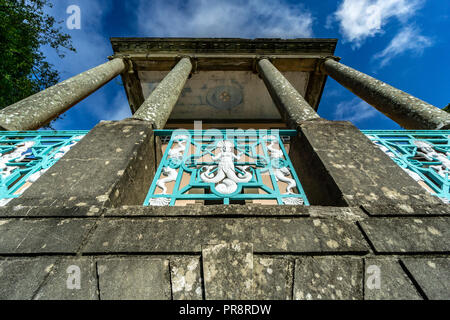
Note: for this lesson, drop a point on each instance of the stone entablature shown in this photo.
(235, 46)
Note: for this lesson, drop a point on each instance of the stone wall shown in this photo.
(368, 217)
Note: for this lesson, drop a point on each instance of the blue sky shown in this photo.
(402, 42)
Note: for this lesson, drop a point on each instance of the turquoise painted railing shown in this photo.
(26, 155)
(225, 166)
(423, 154)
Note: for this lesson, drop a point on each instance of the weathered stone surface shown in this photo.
(164, 235)
(307, 235)
(134, 279)
(56, 286)
(112, 140)
(158, 106)
(186, 278)
(78, 175)
(43, 236)
(408, 235)
(272, 278)
(338, 165)
(228, 271)
(187, 235)
(21, 278)
(408, 111)
(347, 214)
(19, 211)
(39, 109)
(290, 103)
(224, 46)
(318, 184)
(328, 278)
(112, 165)
(403, 209)
(393, 283)
(432, 275)
(248, 210)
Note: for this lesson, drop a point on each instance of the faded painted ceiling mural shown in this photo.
(224, 94)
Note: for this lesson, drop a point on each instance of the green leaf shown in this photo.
(24, 29)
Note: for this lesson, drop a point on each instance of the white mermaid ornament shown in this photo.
(225, 176)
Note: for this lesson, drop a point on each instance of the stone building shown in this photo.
(276, 203)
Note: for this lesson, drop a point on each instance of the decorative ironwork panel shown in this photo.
(225, 167)
(25, 156)
(423, 154)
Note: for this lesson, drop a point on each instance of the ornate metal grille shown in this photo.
(423, 154)
(225, 167)
(25, 156)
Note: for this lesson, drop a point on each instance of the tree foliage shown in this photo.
(447, 108)
(24, 29)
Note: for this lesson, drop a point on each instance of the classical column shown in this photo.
(158, 106)
(408, 111)
(39, 109)
(290, 103)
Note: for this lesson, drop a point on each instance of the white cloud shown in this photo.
(355, 111)
(408, 39)
(93, 48)
(362, 19)
(232, 18)
(160, 18)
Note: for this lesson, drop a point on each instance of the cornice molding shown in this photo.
(323, 47)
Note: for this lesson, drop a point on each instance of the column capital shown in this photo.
(193, 60)
(322, 60)
(129, 65)
(270, 58)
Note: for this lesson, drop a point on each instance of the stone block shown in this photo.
(20, 278)
(134, 279)
(386, 280)
(248, 210)
(166, 235)
(432, 275)
(307, 235)
(272, 278)
(342, 165)
(112, 165)
(404, 209)
(228, 271)
(329, 278)
(19, 236)
(408, 235)
(63, 282)
(186, 278)
(19, 211)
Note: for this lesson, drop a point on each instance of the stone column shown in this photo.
(159, 105)
(408, 111)
(292, 106)
(39, 109)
